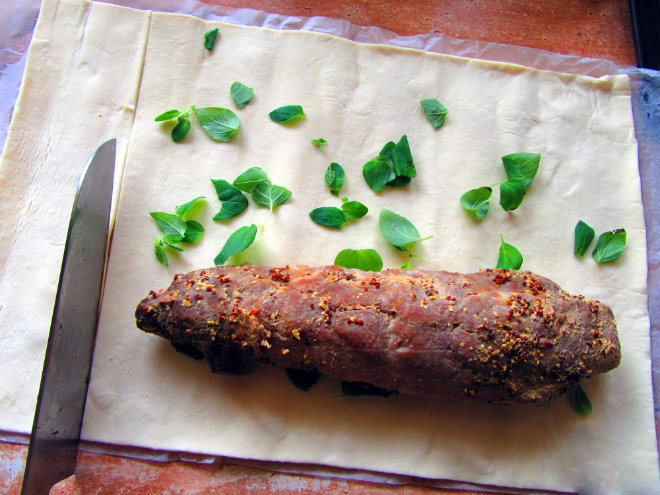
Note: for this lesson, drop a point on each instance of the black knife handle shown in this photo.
(645, 17)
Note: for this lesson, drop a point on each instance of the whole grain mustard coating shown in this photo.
(496, 335)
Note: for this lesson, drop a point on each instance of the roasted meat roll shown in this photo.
(496, 335)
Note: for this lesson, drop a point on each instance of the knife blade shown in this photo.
(55, 435)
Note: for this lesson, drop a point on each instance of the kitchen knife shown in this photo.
(55, 433)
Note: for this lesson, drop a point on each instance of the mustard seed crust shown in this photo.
(496, 335)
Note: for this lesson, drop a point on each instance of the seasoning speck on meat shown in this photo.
(496, 335)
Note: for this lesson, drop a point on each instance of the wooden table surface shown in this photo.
(586, 28)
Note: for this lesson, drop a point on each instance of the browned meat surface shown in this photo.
(496, 335)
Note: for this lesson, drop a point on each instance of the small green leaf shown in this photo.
(303, 379)
(241, 94)
(169, 115)
(477, 201)
(584, 234)
(221, 124)
(194, 232)
(328, 216)
(378, 171)
(522, 167)
(406, 266)
(209, 38)
(334, 178)
(250, 179)
(171, 225)
(287, 114)
(237, 242)
(180, 130)
(319, 142)
(352, 389)
(159, 251)
(610, 246)
(435, 111)
(170, 243)
(512, 193)
(398, 230)
(509, 258)
(189, 208)
(233, 200)
(354, 209)
(362, 259)
(579, 400)
(403, 161)
(269, 196)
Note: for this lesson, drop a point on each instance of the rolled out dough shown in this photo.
(357, 97)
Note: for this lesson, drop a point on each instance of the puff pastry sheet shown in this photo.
(97, 71)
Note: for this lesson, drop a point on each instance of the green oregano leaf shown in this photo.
(169, 115)
(610, 246)
(334, 178)
(362, 259)
(194, 232)
(303, 379)
(522, 167)
(354, 209)
(435, 111)
(190, 208)
(209, 38)
(250, 179)
(378, 171)
(180, 130)
(509, 258)
(287, 114)
(352, 389)
(512, 193)
(159, 251)
(237, 242)
(398, 230)
(241, 94)
(319, 142)
(403, 160)
(328, 216)
(477, 201)
(584, 234)
(579, 400)
(220, 124)
(171, 225)
(233, 200)
(269, 196)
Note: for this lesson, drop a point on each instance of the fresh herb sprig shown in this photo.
(362, 259)
(610, 246)
(509, 257)
(236, 243)
(520, 168)
(220, 124)
(210, 37)
(233, 200)
(287, 114)
(255, 182)
(334, 178)
(176, 228)
(399, 231)
(336, 218)
(319, 142)
(584, 234)
(241, 94)
(393, 167)
(180, 130)
(435, 111)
